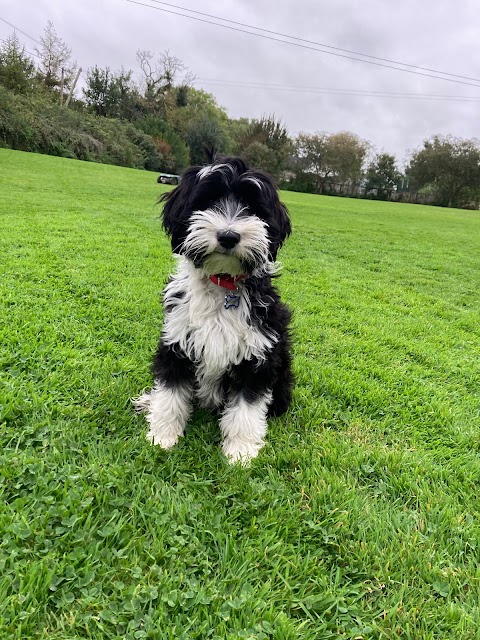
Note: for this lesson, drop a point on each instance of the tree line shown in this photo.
(155, 118)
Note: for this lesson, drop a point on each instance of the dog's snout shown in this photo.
(228, 239)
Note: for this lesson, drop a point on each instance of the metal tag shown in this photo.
(232, 301)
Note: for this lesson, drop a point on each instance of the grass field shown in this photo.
(361, 516)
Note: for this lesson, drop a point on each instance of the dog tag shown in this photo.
(231, 301)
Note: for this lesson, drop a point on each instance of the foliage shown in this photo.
(451, 166)
(266, 145)
(173, 151)
(203, 136)
(323, 160)
(39, 124)
(166, 113)
(199, 104)
(112, 95)
(236, 132)
(310, 162)
(260, 156)
(360, 518)
(346, 154)
(55, 55)
(162, 123)
(382, 175)
(17, 71)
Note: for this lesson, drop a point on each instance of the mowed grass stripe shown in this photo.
(360, 519)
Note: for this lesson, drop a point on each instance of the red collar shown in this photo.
(226, 281)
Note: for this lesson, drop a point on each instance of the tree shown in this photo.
(17, 70)
(382, 175)
(98, 91)
(310, 161)
(258, 155)
(265, 144)
(112, 95)
(171, 148)
(321, 160)
(205, 134)
(55, 55)
(160, 78)
(451, 166)
(198, 103)
(201, 123)
(346, 154)
(158, 75)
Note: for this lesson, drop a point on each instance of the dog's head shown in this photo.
(226, 218)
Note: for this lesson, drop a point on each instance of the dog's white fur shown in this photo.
(216, 339)
(200, 327)
(167, 412)
(203, 230)
(243, 426)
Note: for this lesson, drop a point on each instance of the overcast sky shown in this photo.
(436, 34)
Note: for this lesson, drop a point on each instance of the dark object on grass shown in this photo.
(168, 178)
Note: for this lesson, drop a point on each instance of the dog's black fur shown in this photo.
(250, 378)
(197, 195)
(256, 193)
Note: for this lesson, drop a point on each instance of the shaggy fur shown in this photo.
(226, 346)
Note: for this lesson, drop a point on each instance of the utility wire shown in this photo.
(31, 53)
(17, 29)
(318, 44)
(303, 46)
(279, 87)
(333, 90)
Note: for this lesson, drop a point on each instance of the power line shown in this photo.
(30, 53)
(17, 29)
(364, 95)
(335, 90)
(279, 87)
(303, 46)
(318, 44)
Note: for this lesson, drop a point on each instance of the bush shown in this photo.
(171, 150)
(41, 125)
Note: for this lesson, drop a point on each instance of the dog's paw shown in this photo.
(240, 451)
(164, 440)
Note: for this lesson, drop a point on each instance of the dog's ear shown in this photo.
(259, 191)
(176, 201)
(283, 221)
(280, 226)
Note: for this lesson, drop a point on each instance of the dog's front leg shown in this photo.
(167, 410)
(169, 404)
(244, 425)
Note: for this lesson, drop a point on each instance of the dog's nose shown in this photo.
(228, 239)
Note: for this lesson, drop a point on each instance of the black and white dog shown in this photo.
(225, 338)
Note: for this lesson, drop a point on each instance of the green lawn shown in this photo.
(361, 516)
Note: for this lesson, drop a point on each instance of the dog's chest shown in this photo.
(210, 335)
(213, 337)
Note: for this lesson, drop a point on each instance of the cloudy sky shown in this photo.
(311, 92)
